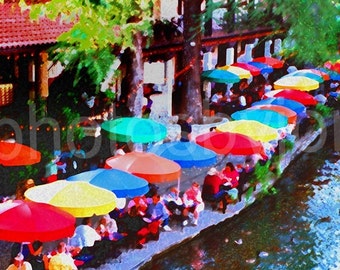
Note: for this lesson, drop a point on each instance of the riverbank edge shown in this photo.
(135, 259)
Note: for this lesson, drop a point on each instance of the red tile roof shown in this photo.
(17, 30)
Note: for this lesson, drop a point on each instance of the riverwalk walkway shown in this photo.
(136, 258)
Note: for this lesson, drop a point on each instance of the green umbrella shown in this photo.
(136, 130)
(220, 76)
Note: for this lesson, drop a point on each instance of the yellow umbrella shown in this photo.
(80, 199)
(250, 128)
(241, 72)
(296, 82)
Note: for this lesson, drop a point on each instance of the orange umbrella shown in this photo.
(16, 154)
(153, 168)
(290, 114)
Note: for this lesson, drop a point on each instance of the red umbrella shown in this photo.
(26, 221)
(333, 66)
(16, 154)
(230, 143)
(273, 62)
(153, 168)
(296, 95)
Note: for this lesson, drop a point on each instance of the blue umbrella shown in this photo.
(262, 66)
(122, 184)
(267, 117)
(288, 103)
(186, 154)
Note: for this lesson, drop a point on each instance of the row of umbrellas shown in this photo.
(304, 79)
(237, 71)
(51, 208)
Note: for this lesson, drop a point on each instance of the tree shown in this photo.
(191, 95)
(313, 29)
(102, 30)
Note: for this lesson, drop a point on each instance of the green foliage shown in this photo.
(101, 30)
(313, 29)
(73, 132)
(288, 144)
(324, 110)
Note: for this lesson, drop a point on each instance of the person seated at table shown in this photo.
(140, 202)
(217, 101)
(137, 230)
(211, 189)
(84, 235)
(174, 203)
(157, 211)
(192, 199)
(62, 259)
(19, 263)
(230, 176)
(107, 228)
(36, 258)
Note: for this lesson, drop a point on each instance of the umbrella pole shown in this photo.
(68, 245)
(178, 184)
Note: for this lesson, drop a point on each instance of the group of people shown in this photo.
(144, 216)
(139, 222)
(82, 247)
(239, 96)
(31, 257)
(226, 186)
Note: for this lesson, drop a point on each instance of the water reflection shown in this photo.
(296, 229)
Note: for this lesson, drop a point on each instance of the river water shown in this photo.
(298, 228)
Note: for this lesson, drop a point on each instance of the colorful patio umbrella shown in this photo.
(136, 130)
(333, 75)
(335, 66)
(230, 143)
(297, 95)
(16, 154)
(273, 62)
(250, 128)
(121, 183)
(25, 221)
(290, 114)
(306, 73)
(219, 76)
(186, 154)
(78, 198)
(265, 69)
(153, 168)
(240, 72)
(324, 75)
(296, 82)
(297, 107)
(252, 69)
(268, 117)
